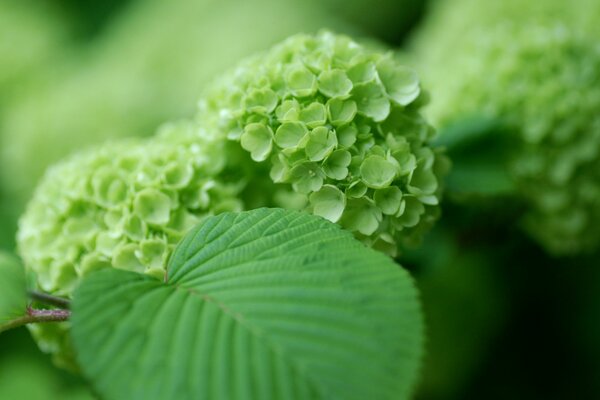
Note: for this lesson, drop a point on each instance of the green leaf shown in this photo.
(480, 148)
(13, 288)
(266, 304)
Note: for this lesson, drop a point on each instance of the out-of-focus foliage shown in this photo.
(533, 67)
(340, 129)
(13, 298)
(33, 36)
(389, 20)
(465, 305)
(266, 304)
(27, 374)
(90, 17)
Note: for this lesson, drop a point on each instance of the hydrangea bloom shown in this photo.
(539, 74)
(340, 126)
(124, 205)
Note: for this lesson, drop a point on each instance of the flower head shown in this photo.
(339, 127)
(124, 205)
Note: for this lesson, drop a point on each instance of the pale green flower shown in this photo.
(125, 205)
(339, 124)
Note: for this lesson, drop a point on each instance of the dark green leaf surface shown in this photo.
(13, 292)
(266, 304)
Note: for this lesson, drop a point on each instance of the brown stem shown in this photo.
(36, 316)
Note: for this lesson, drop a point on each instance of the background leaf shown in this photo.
(266, 304)
(479, 148)
(13, 292)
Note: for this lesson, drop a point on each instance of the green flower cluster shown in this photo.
(339, 124)
(539, 74)
(124, 205)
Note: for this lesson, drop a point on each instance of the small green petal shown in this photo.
(362, 73)
(388, 199)
(261, 101)
(134, 227)
(301, 82)
(306, 178)
(336, 165)
(152, 253)
(334, 83)
(410, 212)
(356, 189)
(258, 140)
(341, 112)
(371, 101)
(423, 181)
(152, 206)
(279, 168)
(106, 243)
(92, 262)
(401, 83)
(178, 175)
(108, 188)
(361, 215)
(407, 162)
(290, 134)
(328, 202)
(80, 228)
(320, 144)
(347, 135)
(289, 110)
(314, 115)
(377, 172)
(125, 258)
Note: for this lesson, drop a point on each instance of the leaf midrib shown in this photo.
(259, 334)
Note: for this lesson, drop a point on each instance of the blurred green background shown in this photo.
(505, 319)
